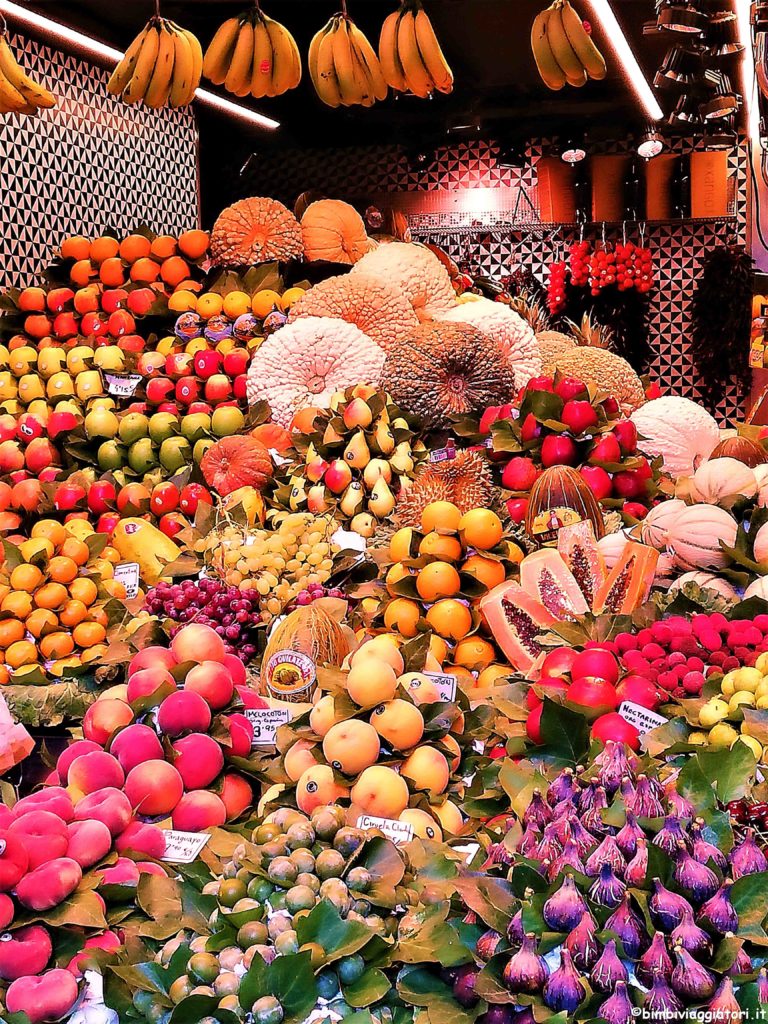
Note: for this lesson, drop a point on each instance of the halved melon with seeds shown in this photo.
(629, 582)
(578, 548)
(545, 575)
(516, 620)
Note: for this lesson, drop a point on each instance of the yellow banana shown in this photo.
(417, 77)
(328, 88)
(218, 56)
(431, 54)
(581, 42)
(11, 100)
(363, 79)
(32, 92)
(123, 73)
(314, 48)
(183, 68)
(349, 86)
(286, 63)
(391, 67)
(261, 72)
(562, 50)
(159, 86)
(197, 64)
(550, 71)
(145, 65)
(370, 61)
(238, 80)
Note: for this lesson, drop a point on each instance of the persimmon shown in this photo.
(56, 645)
(436, 580)
(86, 634)
(75, 549)
(73, 613)
(402, 615)
(21, 653)
(174, 270)
(481, 529)
(163, 246)
(103, 248)
(194, 244)
(135, 247)
(62, 569)
(145, 270)
(18, 603)
(112, 272)
(51, 596)
(440, 515)
(440, 545)
(82, 272)
(83, 590)
(474, 653)
(51, 530)
(11, 631)
(450, 619)
(41, 621)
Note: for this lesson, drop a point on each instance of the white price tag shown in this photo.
(445, 684)
(266, 722)
(129, 575)
(183, 847)
(398, 831)
(122, 385)
(642, 719)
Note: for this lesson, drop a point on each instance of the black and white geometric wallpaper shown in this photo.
(88, 165)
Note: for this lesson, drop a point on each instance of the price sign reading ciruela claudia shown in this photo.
(290, 676)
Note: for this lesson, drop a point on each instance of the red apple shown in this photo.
(531, 429)
(218, 388)
(58, 299)
(578, 416)
(179, 364)
(140, 301)
(159, 389)
(191, 496)
(28, 428)
(236, 361)
(68, 496)
(102, 496)
(240, 386)
(187, 390)
(65, 326)
(569, 388)
(94, 325)
(558, 450)
(541, 384)
(598, 480)
(558, 662)
(107, 522)
(113, 299)
(605, 449)
(172, 523)
(517, 508)
(207, 363)
(520, 474)
(164, 498)
(87, 300)
(150, 364)
(626, 434)
(61, 423)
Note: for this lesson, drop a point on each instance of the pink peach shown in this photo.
(49, 884)
(151, 657)
(240, 735)
(155, 683)
(198, 643)
(44, 835)
(183, 711)
(134, 745)
(237, 796)
(199, 759)
(26, 951)
(124, 872)
(212, 681)
(104, 717)
(142, 838)
(109, 806)
(54, 799)
(89, 841)
(45, 997)
(154, 787)
(198, 811)
(68, 755)
(97, 770)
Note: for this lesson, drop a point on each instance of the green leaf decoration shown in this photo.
(290, 979)
(492, 899)
(565, 735)
(748, 899)
(371, 986)
(519, 780)
(325, 926)
(192, 1009)
(420, 987)
(427, 937)
(694, 785)
(730, 772)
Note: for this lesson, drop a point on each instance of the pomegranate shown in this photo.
(558, 662)
(552, 684)
(520, 474)
(606, 449)
(569, 388)
(598, 481)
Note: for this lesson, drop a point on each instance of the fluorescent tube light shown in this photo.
(748, 79)
(54, 30)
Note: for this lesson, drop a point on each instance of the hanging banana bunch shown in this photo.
(563, 49)
(19, 94)
(343, 65)
(410, 55)
(252, 55)
(162, 66)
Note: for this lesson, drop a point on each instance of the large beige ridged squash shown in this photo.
(417, 271)
(552, 344)
(682, 432)
(607, 371)
(306, 362)
(255, 230)
(508, 328)
(333, 230)
(380, 309)
(443, 370)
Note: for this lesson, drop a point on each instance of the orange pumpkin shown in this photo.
(255, 230)
(334, 231)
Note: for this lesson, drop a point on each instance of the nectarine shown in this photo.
(381, 791)
(198, 760)
(212, 681)
(198, 811)
(91, 772)
(236, 795)
(103, 717)
(154, 787)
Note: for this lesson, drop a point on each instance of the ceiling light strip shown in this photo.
(614, 33)
(87, 44)
(748, 77)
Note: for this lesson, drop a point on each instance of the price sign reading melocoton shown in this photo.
(129, 575)
(266, 722)
(183, 847)
(398, 831)
(122, 385)
(642, 719)
(445, 684)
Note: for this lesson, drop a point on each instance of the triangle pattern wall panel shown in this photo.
(89, 165)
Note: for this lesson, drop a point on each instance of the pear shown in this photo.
(316, 499)
(8, 386)
(363, 524)
(79, 359)
(88, 384)
(400, 424)
(357, 414)
(381, 500)
(384, 439)
(377, 469)
(357, 454)
(352, 500)
(337, 399)
(50, 361)
(400, 460)
(298, 496)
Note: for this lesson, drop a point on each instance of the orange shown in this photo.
(62, 569)
(75, 549)
(396, 573)
(450, 619)
(111, 554)
(182, 302)
(72, 613)
(135, 247)
(174, 270)
(11, 630)
(492, 673)
(236, 304)
(18, 603)
(481, 529)
(76, 247)
(112, 272)
(400, 543)
(115, 589)
(26, 577)
(438, 648)
(5, 675)
(194, 244)
(100, 616)
(436, 580)
(145, 271)
(210, 304)
(486, 570)
(51, 530)
(440, 515)
(83, 590)
(163, 246)
(41, 621)
(56, 645)
(103, 569)
(21, 653)
(474, 653)
(51, 596)
(402, 615)
(264, 301)
(104, 248)
(440, 546)
(89, 633)
(80, 273)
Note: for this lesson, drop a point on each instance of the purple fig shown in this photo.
(718, 914)
(696, 880)
(607, 852)
(464, 985)
(618, 1008)
(612, 764)
(487, 944)
(538, 810)
(592, 818)
(661, 1003)
(628, 928)
(747, 858)
(563, 989)
(692, 982)
(628, 835)
(499, 1013)
(671, 834)
(584, 840)
(762, 986)
(529, 841)
(550, 847)
(515, 930)
(569, 860)
(742, 963)
(637, 868)
(678, 804)
(646, 802)
(724, 1005)
(608, 970)
(655, 960)
(666, 907)
(704, 851)
(688, 935)
(563, 910)
(587, 794)
(607, 890)
(526, 972)
(581, 942)
(564, 787)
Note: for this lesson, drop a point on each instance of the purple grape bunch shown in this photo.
(229, 611)
(313, 593)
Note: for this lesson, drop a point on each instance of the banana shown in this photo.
(360, 70)
(123, 73)
(370, 61)
(159, 86)
(183, 68)
(328, 88)
(286, 62)
(238, 80)
(197, 64)
(11, 100)
(562, 50)
(314, 48)
(417, 77)
(145, 65)
(218, 56)
(581, 42)
(391, 68)
(261, 72)
(32, 93)
(431, 54)
(349, 86)
(551, 73)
